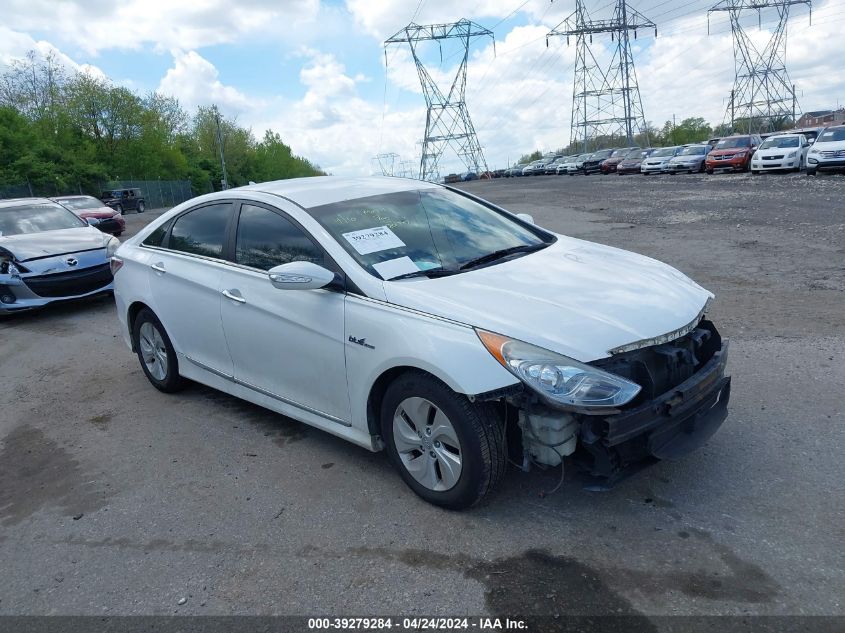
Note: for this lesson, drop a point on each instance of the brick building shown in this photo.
(821, 118)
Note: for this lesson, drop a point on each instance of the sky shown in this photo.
(318, 73)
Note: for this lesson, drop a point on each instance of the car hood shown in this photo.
(727, 152)
(51, 243)
(575, 297)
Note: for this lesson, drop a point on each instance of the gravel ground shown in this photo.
(117, 499)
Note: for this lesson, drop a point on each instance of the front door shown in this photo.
(285, 343)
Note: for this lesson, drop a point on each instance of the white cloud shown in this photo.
(96, 25)
(15, 45)
(195, 81)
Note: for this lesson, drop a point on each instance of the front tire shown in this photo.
(156, 353)
(119, 209)
(450, 451)
(141, 207)
(811, 172)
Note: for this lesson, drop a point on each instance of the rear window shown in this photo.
(37, 218)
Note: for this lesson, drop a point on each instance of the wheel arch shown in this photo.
(132, 314)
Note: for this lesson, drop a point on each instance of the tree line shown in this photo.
(67, 130)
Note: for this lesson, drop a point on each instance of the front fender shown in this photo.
(381, 336)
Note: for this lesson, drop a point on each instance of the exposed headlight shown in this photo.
(557, 378)
(815, 151)
(792, 155)
(111, 246)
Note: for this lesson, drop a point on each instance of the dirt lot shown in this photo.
(117, 499)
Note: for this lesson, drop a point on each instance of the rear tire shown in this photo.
(141, 207)
(119, 209)
(156, 353)
(450, 451)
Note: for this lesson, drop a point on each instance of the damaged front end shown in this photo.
(682, 401)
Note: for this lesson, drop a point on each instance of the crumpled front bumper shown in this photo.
(668, 427)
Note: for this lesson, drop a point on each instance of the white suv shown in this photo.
(828, 152)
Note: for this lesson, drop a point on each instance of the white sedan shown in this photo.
(415, 318)
(781, 152)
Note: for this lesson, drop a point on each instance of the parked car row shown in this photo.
(810, 149)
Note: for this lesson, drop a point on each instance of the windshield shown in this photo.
(80, 202)
(694, 150)
(737, 141)
(666, 151)
(605, 153)
(780, 142)
(404, 233)
(830, 136)
(37, 217)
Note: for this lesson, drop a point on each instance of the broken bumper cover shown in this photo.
(668, 427)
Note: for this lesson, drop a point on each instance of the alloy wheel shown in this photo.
(153, 350)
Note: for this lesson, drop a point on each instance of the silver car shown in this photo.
(49, 254)
(658, 162)
(689, 160)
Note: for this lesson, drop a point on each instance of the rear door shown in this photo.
(288, 344)
(184, 276)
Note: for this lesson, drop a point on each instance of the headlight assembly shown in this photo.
(111, 246)
(559, 379)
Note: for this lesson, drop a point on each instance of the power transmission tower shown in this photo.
(763, 97)
(387, 163)
(606, 99)
(447, 122)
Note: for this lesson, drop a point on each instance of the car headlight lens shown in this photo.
(792, 155)
(111, 246)
(559, 379)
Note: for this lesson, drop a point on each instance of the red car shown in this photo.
(609, 166)
(94, 212)
(732, 152)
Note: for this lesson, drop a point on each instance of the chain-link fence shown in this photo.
(156, 193)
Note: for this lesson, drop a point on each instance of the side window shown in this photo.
(155, 238)
(266, 239)
(201, 231)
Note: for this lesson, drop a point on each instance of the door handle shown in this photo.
(159, 267)
(233, 297)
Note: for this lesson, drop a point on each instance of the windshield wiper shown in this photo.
(431, 274)
(502, 253)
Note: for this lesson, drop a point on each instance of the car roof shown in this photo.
(14, 202)
(319, 190)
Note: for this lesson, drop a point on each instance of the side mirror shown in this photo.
(300, 276)
(525, 218)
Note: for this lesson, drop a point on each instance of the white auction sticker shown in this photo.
(396, 267)
(373, 240)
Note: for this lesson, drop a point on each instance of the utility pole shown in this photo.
(447, 122)
(225, 182)
(606, 99)
(763, 94)
(387, 163)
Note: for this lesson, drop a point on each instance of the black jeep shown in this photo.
(122, 200)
